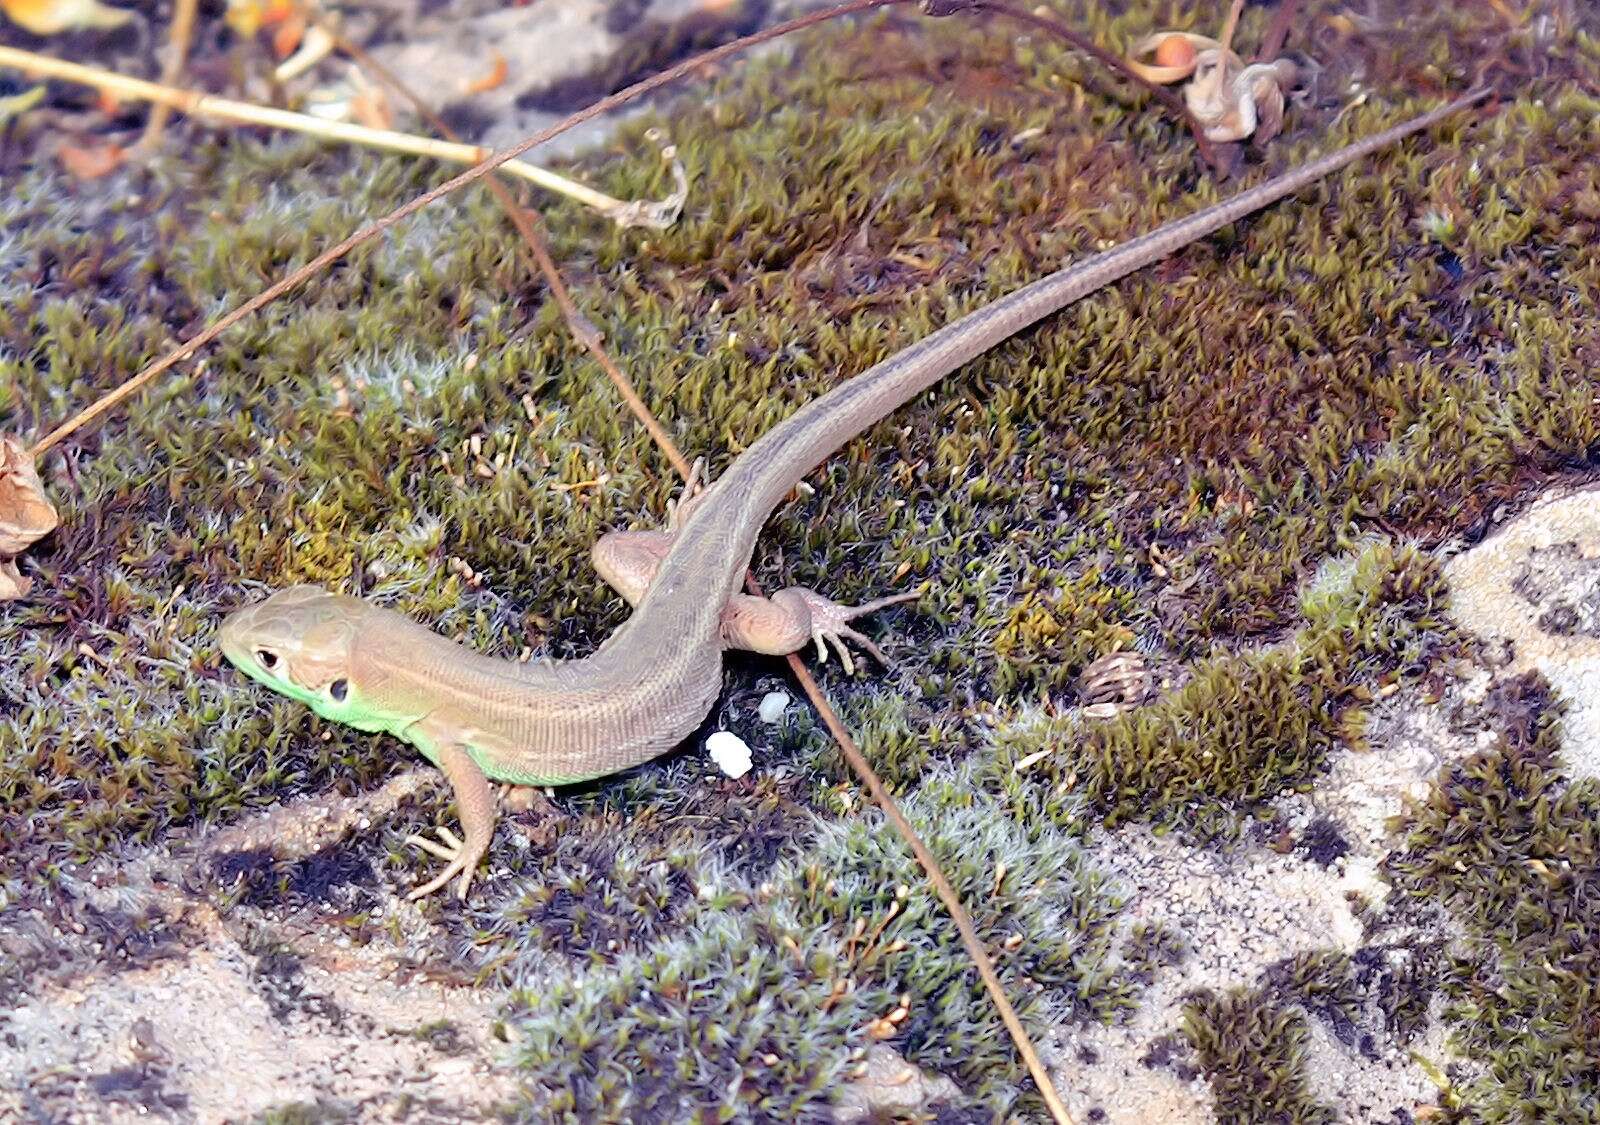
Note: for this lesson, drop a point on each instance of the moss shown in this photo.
(746, 1017)
(320, 1112)
(1247, 725)
(1253, 1053)
(1161, 467)
(1049, 639)
(1039, 903)
(1149, 948)
(759, 298)
(443, 1036)
(588, 903)
(1512, 848)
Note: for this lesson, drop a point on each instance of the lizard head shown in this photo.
(299, 642)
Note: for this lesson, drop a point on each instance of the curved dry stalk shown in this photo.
(197, 104)
(178, 40)
(536, 256)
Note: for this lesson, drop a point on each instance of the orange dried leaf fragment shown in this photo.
(26, 514)
(91, 161)
(493, 80)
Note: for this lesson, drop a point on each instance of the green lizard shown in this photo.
(652, 682)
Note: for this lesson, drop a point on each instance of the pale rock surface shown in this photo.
(1535, 586)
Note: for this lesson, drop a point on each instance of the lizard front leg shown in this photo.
(476, 805)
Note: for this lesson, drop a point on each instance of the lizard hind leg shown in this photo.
(628, 560)
(795, 615)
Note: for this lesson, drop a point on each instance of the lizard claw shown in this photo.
(830, 623)
(678, 510)
(461, 860)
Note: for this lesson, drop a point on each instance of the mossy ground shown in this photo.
(1163, 466)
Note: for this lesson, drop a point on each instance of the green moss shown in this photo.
(1160, 467)
(1254, 1054)
(585, 902)
(1512, 847)
(319, 1112)
(765, 294)
(1049, 639)
(1039, 903)
(1247, 725)
(745, 1018)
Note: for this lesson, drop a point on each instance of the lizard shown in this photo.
(650, 684)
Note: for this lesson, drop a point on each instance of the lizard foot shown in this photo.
(830, 622)
(678, 510)
(462, 859)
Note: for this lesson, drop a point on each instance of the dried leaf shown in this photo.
(287, 35)
(1231, 105)
(51, 17)
(12, 584)
(1268, 92)
(249, 16)
(88, 162)
(26, 514)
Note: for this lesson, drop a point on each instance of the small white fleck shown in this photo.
(730, 753)
(773, 705)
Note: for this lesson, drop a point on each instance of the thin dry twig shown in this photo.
(1231, 24)
(586, 333)
(537, 258)
(1278, 31)
(178, 40)
(295, 278)
(226, 109)
(941, 885)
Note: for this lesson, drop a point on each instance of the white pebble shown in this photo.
(773, 705)
(730, 753)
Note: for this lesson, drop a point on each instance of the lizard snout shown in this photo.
(259, 638)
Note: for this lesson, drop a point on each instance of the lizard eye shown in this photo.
(339, 689)
(267, 658)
